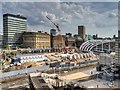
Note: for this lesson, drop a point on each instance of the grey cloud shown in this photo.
(68, 15)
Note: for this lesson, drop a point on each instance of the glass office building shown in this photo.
(13, 26)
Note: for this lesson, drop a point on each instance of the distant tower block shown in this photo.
(53, 32)
(81, 32)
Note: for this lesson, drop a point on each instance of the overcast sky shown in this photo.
(99, 17)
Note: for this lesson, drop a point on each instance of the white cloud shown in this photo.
(65, 19)
(68, 16)
(50, 15)
(42, 21)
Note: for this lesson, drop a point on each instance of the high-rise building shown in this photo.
(13, 26)
(81, 31)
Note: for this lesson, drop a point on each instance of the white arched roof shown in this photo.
(89, 45)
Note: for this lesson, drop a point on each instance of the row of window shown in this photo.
(17, 29)
(9, 22)
(45, 38)
(14, 19)
(18, 26)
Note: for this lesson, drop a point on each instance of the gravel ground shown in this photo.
(16, 84)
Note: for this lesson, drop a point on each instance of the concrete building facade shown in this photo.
(36, 40)
(13, 26)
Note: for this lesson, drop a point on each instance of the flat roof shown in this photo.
(13, 15)
(35, 33)
(75, 76)
(79, 75)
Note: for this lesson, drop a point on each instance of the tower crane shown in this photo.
(59, 31)
(56, 25)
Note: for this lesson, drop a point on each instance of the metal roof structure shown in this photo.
(89, 45)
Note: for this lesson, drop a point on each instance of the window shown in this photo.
(118, 45)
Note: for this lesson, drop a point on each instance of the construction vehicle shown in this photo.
(60, 45)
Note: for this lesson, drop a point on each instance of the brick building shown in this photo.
(36, 40)
(58, 41)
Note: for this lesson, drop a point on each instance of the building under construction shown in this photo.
(111, 72)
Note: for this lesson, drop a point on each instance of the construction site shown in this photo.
(52, 61)
(100, 76)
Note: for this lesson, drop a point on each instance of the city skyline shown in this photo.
(98, 18)
(59, 45)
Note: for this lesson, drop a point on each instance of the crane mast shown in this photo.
(59, 31)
